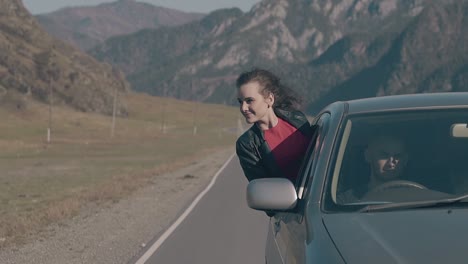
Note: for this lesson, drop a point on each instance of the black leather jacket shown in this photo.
(255, 156)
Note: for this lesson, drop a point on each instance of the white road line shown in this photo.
(171, 229)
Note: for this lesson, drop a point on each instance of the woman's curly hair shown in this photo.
(285, 97)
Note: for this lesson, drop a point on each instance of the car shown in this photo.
(334, 213)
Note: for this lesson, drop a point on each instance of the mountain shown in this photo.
(34, 64)
(427, 55)
(157, 55)
(328, 50)
(88, 26)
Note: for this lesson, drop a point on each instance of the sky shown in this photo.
(202, 6)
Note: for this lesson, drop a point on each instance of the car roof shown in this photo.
(408, 102)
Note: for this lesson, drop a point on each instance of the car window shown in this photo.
(400, 157)
(322, 123)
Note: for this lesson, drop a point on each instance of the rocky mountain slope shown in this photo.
(327, 49)
(34, 64)
(88, 26)
(159, 56)
(427, 55)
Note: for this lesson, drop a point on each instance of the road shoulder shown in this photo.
(116, 232)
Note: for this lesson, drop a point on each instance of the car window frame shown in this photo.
(307, 172)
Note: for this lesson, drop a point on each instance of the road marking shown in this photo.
(173, 227)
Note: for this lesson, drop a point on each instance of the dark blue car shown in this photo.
(385, 180)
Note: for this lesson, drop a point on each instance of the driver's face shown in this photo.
(387, 159)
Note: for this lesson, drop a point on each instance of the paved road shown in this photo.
(220, 229)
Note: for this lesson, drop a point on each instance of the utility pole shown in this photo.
(49, 128)
(195, 119)
(114, 110)
(195, 109)
(50, 77)
(163, 115)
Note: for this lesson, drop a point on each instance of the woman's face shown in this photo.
(253, 105)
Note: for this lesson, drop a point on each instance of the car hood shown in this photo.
(411, 236)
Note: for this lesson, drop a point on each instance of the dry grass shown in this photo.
(45, 183)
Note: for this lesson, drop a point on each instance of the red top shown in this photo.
(288, 146)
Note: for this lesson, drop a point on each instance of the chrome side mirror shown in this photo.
(459, 130)
(271, 194)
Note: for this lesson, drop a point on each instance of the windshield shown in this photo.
(400, 157)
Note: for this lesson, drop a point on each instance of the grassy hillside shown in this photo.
(83, 165)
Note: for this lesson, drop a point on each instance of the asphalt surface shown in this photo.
(220, 229)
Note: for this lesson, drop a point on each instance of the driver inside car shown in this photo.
(387, 158)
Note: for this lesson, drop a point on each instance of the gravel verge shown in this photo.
(117, 232)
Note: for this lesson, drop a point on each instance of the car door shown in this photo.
(276, 244)
(286, 237)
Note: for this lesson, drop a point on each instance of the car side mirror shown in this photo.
(271, 194)
(459, 131)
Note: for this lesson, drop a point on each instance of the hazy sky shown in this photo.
(203, 6)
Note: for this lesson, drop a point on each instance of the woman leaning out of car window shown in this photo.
(276, 142)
